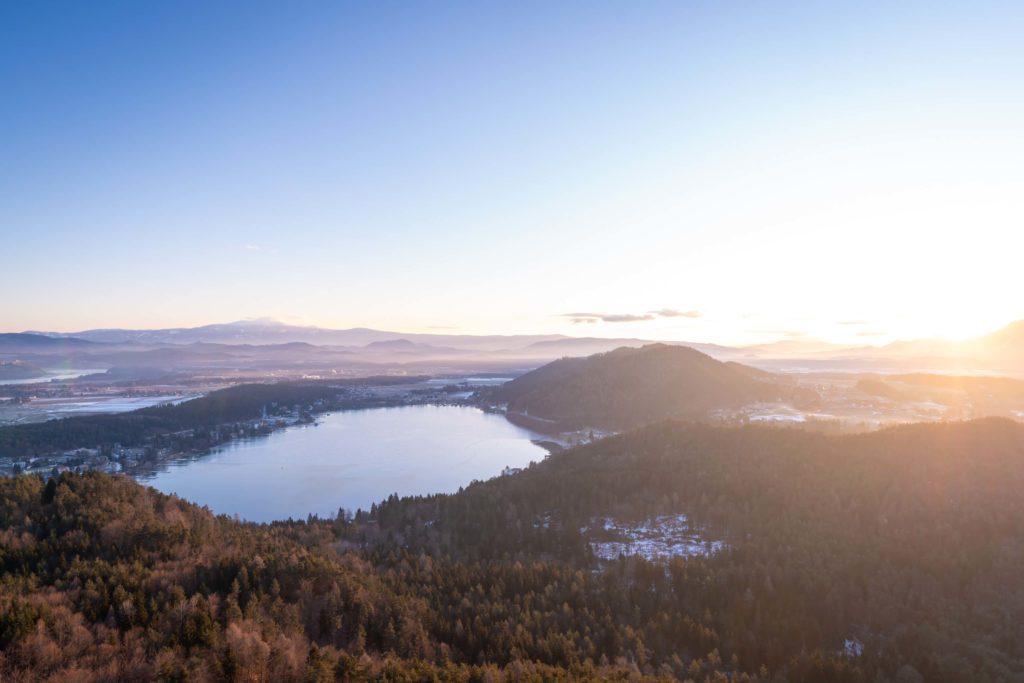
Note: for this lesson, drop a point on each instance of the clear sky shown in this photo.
(851, 171)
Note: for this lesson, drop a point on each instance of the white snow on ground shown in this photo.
(778, 417)
(661, 537)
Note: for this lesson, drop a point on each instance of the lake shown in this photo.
(350, 459)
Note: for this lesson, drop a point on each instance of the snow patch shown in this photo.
(661, 537)
(778, 417)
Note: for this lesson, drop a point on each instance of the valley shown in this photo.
(543, 342)
(649, 512)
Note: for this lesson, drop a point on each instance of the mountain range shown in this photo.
(275, 342)
(268, 331)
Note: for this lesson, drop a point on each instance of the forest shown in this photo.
(889, 556)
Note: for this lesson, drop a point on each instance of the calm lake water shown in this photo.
(350, 459)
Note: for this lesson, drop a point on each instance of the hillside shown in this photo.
(629, 387)
(106, 580)
(1006, 345)
(906, 543)
(1001, 350)
(891, 556)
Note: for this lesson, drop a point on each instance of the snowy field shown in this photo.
(44, 409)
(661, 537)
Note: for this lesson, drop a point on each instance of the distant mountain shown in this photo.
(210, 357)
(260, 332)
(266, 331)
(1002, 350)
(407, 348)
(629, 387)
(38, 342)
(585, 346)
(16, 370)
(796, 348)
(27, 356)
(393, 345)
(1005, 345)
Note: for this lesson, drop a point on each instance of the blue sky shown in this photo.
(782, 169)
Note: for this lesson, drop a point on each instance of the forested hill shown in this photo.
(891, 557)
(629, 387)
(907, 542)
(106, 580)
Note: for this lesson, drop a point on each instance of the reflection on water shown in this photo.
(350, 459)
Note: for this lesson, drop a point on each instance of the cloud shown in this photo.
(609, 317)
(627, 318)
(252, 247)
(673, 313)
(870, 334)
(579, 318)
(853, 322)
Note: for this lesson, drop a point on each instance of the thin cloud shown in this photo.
(609, 317)
(253, 247)
(627, 318)
(673, 313)
(589, 318)
(853, 322)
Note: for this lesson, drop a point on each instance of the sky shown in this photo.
(709, 171)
